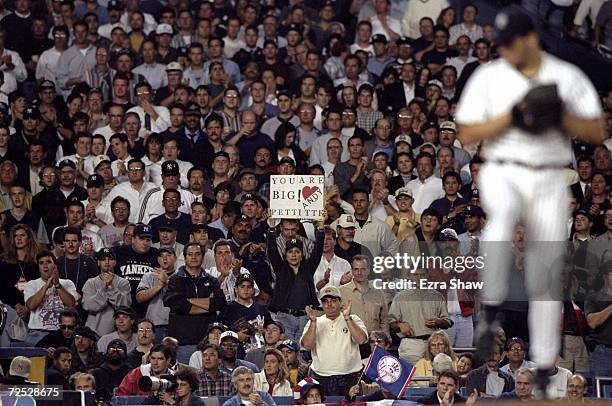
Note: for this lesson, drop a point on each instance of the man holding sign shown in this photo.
(334, 340)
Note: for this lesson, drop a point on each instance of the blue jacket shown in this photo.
(236, 401)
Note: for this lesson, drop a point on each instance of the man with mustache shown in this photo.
(243, 378)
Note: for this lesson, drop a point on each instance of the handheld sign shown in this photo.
(297, 196)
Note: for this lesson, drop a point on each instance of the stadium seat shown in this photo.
(606, 391)
(419, 391)
(128, 400)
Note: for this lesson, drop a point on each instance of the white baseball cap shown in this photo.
(403, 191)
(448, 126)
(99, 159)
(164, 29)
(230, 334)
(174, 66)
(346, 221)
(20, 366)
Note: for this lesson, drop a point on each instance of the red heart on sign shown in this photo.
(308, 191)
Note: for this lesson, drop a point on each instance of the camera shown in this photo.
(164, 383)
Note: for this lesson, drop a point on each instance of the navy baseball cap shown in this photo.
(95, 181)
(289, 343)
(378, 38)
(117, 344)
(283, 92)
(221, 154)
(474, 210)
(403, 41)
(167, 227)
(242, 218)
(46, 84)
(294, 243)
(86, 332)
(276, 323)
(114, 5)
(245, 277)
(170, 168)
(143, 230)
(216, 325)
(31, 112)
(294, 27)
(168, 250)
(66, 162)
(583, 212)
(510, 23)
(248, 196)
(192, 109)
(474, 194)
(105, 253)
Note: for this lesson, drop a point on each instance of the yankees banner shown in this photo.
(390, 372)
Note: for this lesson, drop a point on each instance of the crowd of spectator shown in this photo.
(137, 141)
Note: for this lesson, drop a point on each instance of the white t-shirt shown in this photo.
(46, 315)
(335, 352)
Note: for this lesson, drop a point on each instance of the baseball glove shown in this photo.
(539, 110)
(244, 326)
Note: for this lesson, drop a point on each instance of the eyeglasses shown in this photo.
(114, 349)
(135, 170)
(144, 330)
(171, 199)
(49, 175)
(144, 92)
(66, 327)
(120, 209)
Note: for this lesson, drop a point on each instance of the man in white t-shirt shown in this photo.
(332, 269)
(46, 297)
(334, 340)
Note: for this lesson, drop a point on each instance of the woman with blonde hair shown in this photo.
(437, 343)
(274, 378)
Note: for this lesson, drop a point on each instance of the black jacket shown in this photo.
(187, 328)
(394, 98)
(285, 276)
(56, 378)
(432, 399)
(477, 379)
(109, 379)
